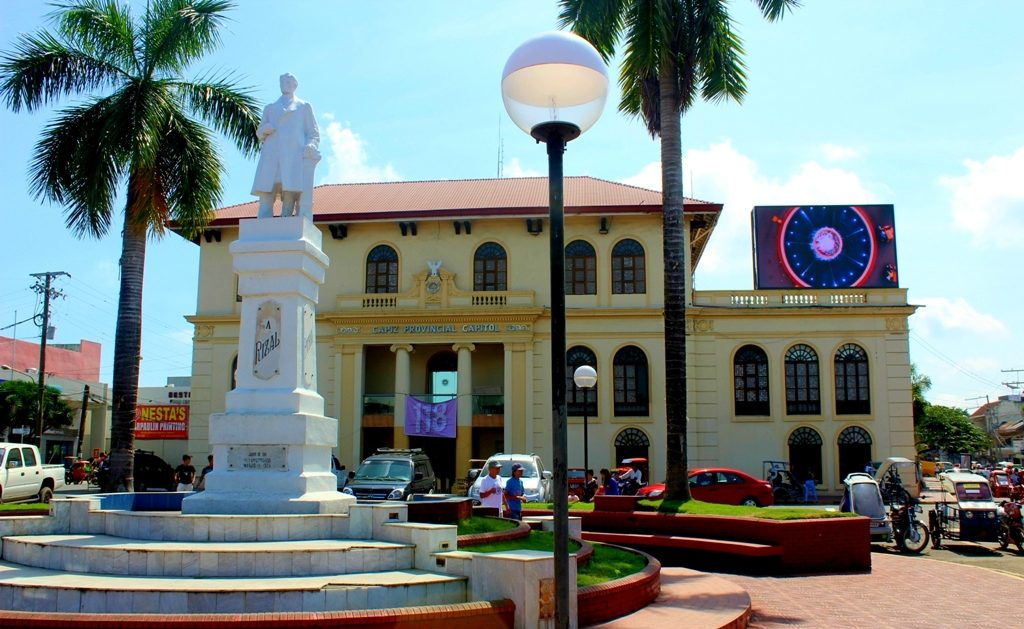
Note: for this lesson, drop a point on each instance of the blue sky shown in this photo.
(913, 103)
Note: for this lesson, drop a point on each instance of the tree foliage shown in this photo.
(19, 407)
(674, 53)
(951, 430)
(138, 130)
(919, 385)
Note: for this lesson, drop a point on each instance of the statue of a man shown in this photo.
(289, 154)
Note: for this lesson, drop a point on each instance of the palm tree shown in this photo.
(674, 52)
(138, 126)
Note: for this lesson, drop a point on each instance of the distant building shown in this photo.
(162, 419)
(440, 289)
(78, 361)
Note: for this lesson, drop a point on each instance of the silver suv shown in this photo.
(536, 480)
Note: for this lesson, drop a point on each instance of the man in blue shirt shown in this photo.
(515, 493)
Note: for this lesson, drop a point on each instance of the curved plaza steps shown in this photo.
(25, 588)
(103, 554)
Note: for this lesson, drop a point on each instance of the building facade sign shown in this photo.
(161, 421)
(449, 328)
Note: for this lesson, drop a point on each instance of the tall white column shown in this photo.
(464, 436)
(403, 380)
(273, 443)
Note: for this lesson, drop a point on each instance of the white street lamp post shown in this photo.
(585, 378)
(554, 87)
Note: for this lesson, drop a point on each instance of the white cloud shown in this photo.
(722, 174)
(988, 201)
(940, 314)
(514, 169)
(346, 157)
(838, 153)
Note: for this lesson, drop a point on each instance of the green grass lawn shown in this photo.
(609, 563)
(537, 540)
(25, 506)
(474, 525)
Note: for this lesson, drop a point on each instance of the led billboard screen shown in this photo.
(824, 246)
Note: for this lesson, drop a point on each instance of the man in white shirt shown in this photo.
(492, 489)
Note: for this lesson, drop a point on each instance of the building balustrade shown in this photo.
(802, 297)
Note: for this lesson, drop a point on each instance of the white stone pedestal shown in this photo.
(272, 445)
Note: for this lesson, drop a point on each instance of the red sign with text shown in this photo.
(161, 421)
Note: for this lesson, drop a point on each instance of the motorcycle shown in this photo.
(1011, 528)
(910, 534)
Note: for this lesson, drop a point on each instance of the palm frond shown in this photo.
(598, 21)
(721, 73)
(78, 163)
(234, 113)
(102, 28)
(43, 69)
(774, 10)
(179, 32)
(189, 171)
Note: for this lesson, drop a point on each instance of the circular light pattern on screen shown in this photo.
(827, 247)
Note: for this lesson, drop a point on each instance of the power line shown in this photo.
(949, 361)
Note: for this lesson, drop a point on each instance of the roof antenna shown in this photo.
(501, 150)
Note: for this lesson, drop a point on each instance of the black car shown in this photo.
(392, 475)
(152, 472)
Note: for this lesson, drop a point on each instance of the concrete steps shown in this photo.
(155, 525)
(104, 554)
(25, 588)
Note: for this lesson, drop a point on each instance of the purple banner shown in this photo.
(424, 419)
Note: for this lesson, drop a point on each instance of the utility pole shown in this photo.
(44, 287)
(1014, 384)
(77, 451)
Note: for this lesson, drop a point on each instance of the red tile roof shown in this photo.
(468, 198)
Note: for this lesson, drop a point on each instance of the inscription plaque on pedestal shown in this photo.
(258, 458)
(267, 350)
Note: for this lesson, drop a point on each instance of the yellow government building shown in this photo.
(439, 289)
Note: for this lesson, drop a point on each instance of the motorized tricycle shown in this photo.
(1011, 528)
(1000, 483)
(910, 534)
(965, 512)
(785, 489)
(863, 497)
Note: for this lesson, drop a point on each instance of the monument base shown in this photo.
(263, 503)
(270, 464)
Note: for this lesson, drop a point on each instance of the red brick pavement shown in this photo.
(900, 591)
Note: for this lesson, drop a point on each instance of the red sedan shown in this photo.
(722, 485)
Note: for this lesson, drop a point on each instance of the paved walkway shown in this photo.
(900, 592)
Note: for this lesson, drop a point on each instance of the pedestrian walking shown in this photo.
(185, 474)
(810, 488)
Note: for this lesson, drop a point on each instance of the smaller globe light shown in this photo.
(585, 376)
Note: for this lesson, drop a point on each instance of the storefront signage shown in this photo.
(448, 328)
(161, 421)
(258, 458)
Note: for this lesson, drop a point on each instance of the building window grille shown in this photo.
(382, 270)
(629, 272)
(490, 268)
(803, 390)
(579, 400)
(853, 391)
(632, 392)
(580, 268)
(750, 381)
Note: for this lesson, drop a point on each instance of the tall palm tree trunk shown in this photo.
(127, 355)
(677, 486)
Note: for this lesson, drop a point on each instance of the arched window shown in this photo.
(629, 271)
(382, 270)
(234, 373)
(632, 443)
(579, 400)
(490, 267)
(802, 386)
(853, 393)
(632, 392)
(580, 268)
(750, 381)
(805, 453)
(854, 450)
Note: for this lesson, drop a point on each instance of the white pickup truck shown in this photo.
(24, 477)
